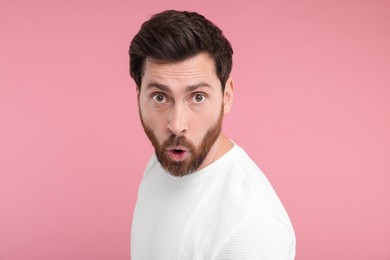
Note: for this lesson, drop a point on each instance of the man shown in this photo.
(201, 196)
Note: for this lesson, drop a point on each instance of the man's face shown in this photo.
(181, 107)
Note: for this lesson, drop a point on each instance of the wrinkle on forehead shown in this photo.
(199, 68)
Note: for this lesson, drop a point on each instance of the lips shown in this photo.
(177, 153)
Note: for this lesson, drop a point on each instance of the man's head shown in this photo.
(173, 36)
(180, 62)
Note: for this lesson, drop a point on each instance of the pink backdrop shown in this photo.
(312, 108)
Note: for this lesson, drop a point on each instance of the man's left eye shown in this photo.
(198, 98)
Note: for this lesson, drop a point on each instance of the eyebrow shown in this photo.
(196, 86)
(189, 88)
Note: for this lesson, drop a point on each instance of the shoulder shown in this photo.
(246, 171)
(259, 237)
(153, 162)
(243, 163)
(152, 171)
(266, 211)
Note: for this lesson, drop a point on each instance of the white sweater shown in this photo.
(228, 210)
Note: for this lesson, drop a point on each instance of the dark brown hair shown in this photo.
(172, 36)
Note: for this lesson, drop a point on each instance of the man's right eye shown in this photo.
(159, 98)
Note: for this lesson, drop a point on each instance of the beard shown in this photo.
(196, 155)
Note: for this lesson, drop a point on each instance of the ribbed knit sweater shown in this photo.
(227, 210)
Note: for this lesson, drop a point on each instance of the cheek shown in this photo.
(146, 112)
(203, 123)
(155, 122)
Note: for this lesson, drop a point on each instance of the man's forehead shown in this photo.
(195, 72)
(201, 60)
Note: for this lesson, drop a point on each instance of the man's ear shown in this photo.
(228, 95)
(138, 92)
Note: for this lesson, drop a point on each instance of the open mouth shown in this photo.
(177, 154)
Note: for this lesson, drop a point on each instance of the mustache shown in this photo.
(177, 140)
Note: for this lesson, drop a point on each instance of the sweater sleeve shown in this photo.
(261, 237)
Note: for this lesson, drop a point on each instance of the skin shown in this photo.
(185, 99)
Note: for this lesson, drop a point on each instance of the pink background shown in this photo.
(312, 108)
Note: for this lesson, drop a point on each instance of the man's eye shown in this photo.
(198, 98)
(159, 98)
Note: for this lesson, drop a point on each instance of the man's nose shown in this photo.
(177, 122)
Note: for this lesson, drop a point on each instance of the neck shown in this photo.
(221, 146)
